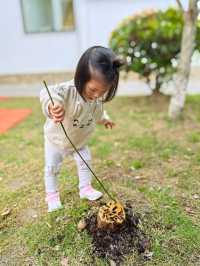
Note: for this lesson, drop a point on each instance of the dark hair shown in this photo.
(98, 60)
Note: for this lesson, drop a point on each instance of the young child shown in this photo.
(78, 104)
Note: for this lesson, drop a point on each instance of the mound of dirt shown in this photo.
(114, 245)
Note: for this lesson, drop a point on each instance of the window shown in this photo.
(47, 15)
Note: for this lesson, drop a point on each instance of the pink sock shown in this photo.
(52, 196)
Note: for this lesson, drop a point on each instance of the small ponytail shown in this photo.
(118, 62)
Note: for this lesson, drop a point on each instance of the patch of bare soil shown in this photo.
(16, 255)
(114, 245)
(28, 215)
(16, 184)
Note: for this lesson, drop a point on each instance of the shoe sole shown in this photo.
(91, 199)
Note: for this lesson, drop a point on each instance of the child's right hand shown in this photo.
(57, 112)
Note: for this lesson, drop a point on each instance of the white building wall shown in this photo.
(105, 15)
(59, 51)
(32, 53)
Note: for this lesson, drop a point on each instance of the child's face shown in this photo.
(95, 89)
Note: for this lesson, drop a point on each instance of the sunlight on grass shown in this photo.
(146, 159)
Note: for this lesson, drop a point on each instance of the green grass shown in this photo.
(164, 155)
(137, 164)
(194, 137)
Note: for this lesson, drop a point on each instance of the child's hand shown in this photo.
(108, 123)
(57, 112)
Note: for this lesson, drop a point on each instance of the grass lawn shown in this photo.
(146, 159)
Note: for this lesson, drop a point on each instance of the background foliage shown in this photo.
(150, 43)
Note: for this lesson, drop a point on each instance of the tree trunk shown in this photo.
(187, 47)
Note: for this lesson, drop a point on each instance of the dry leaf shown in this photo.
(189, 210)
(148, 255)
(48, 225)
(196, 196)
(58, 219)
(64, 261)
(137, 177)
(112, 263)
(57, 247)
(81, 225)
(6, 212)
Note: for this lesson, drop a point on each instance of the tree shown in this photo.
(183, 70)
(150, 43)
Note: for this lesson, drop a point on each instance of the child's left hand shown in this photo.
(108, 123)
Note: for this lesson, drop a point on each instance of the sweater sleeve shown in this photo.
(105, 115)
(58, 93)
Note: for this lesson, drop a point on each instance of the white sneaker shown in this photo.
(53, 201)
(90, 193)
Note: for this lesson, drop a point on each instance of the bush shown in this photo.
(150, 44)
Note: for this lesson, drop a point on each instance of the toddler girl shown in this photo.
(78, 104)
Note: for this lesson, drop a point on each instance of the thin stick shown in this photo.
(106, 191)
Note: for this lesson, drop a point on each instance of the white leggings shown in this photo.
(53, 159)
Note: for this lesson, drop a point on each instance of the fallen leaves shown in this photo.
(137, 177)
(64, 261)
(189, 210)
(48, 224)
(81, 225)
(112, 263)
(148, 255)
(196, 196)
(6, 212)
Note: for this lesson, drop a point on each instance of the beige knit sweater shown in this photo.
(80, 116)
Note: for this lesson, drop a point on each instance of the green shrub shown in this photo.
(150, 44)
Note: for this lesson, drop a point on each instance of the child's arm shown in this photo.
(106, 121)
(55, 112)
